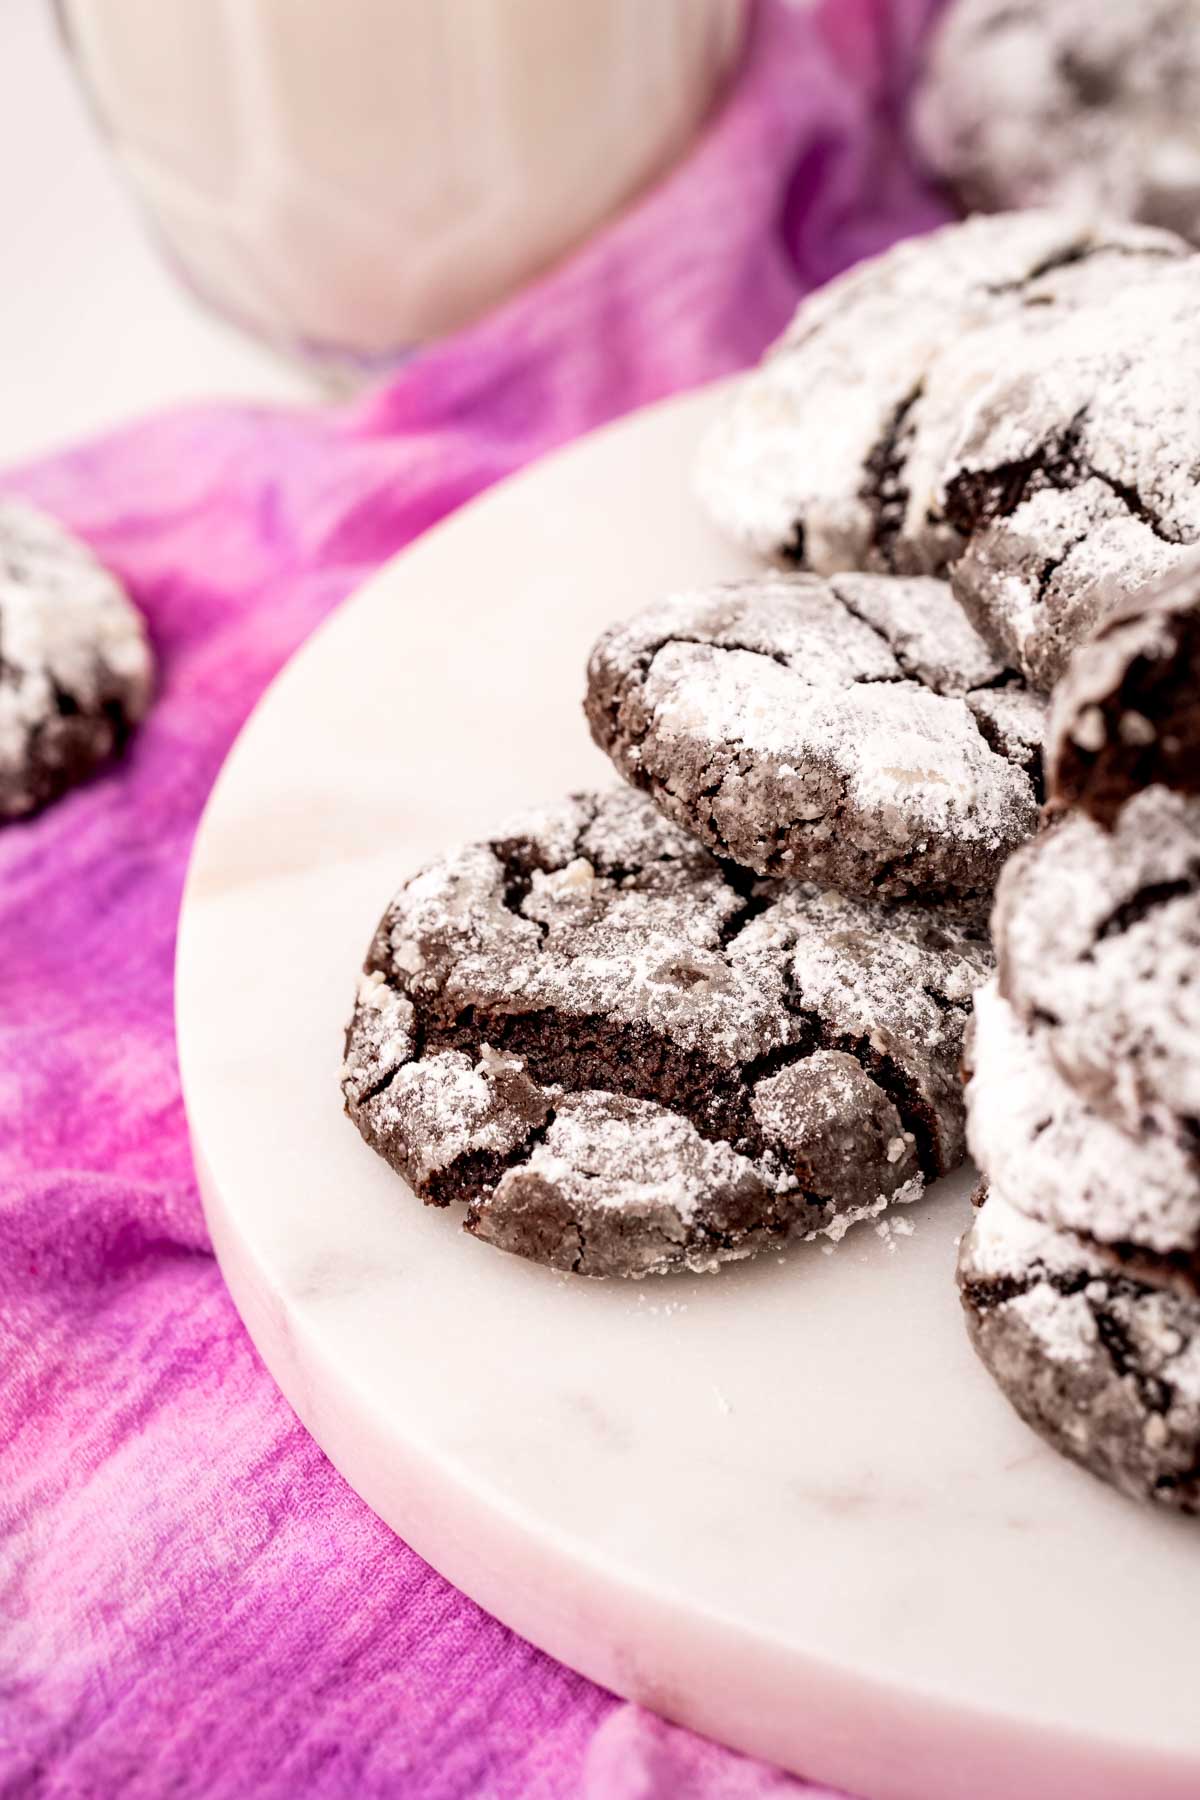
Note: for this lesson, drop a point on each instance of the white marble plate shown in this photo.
(782, 1504)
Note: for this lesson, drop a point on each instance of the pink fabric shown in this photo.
(193, 1602)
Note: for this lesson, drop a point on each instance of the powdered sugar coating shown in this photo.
(1013, 720)
(1099, 1355)
(826, 728)
(1098, 939)
(75, 667)
(1038, 1141)
(385, 1039)
(620, 1185)
(1010, 399)
(1126, 714)
(1074, 479)
(854, 385)
(843, 1133)
(1064, 102)
(930, 637)
(449, 1106)
(595, 966)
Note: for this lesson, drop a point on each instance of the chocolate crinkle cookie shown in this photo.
(1098, 945)
(75, 668)
(1067, 102)
(1081, 1277)
(1126, 715)
(855, 730)
(1067, 1162)
(1013, 401)
(626, 1056)
(1098, 1350)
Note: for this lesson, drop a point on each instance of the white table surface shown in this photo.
(93, 329)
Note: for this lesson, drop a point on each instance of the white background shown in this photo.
(93, 329)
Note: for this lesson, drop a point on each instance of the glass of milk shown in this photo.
(347, 178)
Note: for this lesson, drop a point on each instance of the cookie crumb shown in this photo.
(578, 874)
(1135, 728)
(1088, 730)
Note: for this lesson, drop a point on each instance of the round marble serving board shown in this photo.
(782, 1504)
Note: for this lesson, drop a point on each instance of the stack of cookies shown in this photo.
(1080, 1274)
(667, 1024)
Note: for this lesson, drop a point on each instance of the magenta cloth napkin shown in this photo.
(192, 1601)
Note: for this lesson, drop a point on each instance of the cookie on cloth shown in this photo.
(1064, 1161)
(1098, 1352)
(75, 667)
(1067, 103)
(1014, 400)
(1126, 714)
(854, 730)
(1097, 938)
(627, 1057)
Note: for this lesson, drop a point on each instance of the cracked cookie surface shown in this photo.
(75, 667)
(1099, 1353)
(1037, 1139)
(1067, 103)
(1097, 939)
(1009, 401)
(628, 1057)
(854, 730)
(1126, 714)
